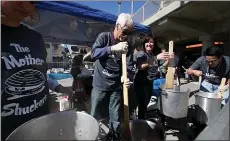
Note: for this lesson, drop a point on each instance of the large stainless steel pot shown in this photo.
(144, 130)
(67, 125)
(207, 106)
(173, 103)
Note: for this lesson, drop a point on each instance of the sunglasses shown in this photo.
(126, 32)
(212, 61)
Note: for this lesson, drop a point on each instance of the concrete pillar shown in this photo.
(226, 46)
(207, 41)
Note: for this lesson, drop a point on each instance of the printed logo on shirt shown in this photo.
(17, 110)
(11, 62)
(212, 78)
(23, 83)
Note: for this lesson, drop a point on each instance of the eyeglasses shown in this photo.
(125, 31)
(211, 62)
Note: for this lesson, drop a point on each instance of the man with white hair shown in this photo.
(106, 97)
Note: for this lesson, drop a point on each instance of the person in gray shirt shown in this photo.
(213, 66)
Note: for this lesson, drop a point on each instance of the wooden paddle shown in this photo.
(126, 132)
(169, 80)
(223, 81)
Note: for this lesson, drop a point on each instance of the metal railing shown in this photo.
(64, 65)
(149, 9)
(67, 65)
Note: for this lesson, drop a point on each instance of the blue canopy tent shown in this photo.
(55, 18)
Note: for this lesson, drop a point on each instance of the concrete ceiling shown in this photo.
(194, 19)
(207, 11)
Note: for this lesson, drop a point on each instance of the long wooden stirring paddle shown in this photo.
(223, 81)
(126, 132)
(169, 80)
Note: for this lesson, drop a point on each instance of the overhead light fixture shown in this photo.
(200, 45)
(163, 22)
(218, 43)
(74, 24)
(33, 19)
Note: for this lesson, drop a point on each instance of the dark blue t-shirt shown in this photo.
(24, 84)
(151, 72)
(108, 66)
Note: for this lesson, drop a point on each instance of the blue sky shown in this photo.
(111, 6)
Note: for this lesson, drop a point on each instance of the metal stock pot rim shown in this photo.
(174, 91)
(208, 95)
(48, 115)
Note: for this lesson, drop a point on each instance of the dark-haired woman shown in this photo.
(213, 66)
(147, 71)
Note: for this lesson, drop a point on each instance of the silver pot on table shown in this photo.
(66, 125)
(207, 106)
(173, 103)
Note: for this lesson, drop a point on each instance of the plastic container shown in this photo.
(156, 85)
(64, 103)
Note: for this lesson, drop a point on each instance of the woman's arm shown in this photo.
(141, 60)
(143, 65)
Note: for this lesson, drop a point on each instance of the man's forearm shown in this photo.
(52, 83)
(58, 89)
(100, 52)
(191, 71)
(63, 90)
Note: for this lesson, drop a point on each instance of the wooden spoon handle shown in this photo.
(126, 132)
(169, 80)
(223, 81)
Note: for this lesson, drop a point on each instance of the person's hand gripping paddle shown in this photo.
(169, 80)
(222, 84)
